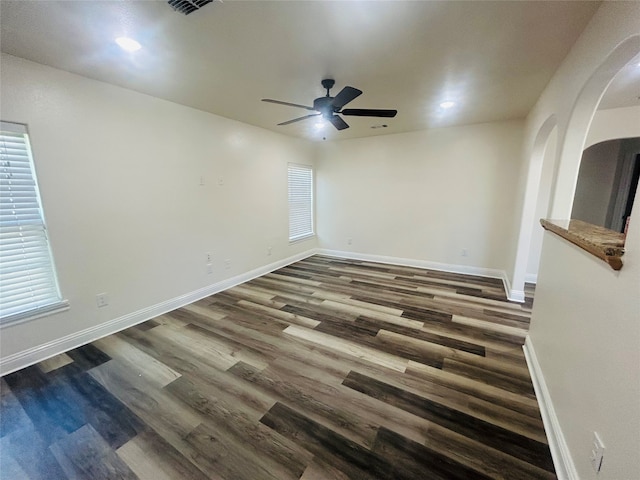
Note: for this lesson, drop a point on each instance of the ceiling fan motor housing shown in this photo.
(324, 106)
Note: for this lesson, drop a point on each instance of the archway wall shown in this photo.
(606, 125)
(542, 206)
(582, 347)
(537, 153)
(612, 124)
(581, 117)
(609, 41)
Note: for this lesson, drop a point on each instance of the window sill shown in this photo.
(25, 317)
(301, 239)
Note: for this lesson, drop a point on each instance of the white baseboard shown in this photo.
(531, 278)
(39, 353)
(442, 267)
(562, 460)
(516, 295)
(512, 294)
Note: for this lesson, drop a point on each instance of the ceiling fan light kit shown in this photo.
(329, 107)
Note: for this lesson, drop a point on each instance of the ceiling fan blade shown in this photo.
(287, 103)
(338, 122)
(299, 118)
(369, 112)
(345, 96)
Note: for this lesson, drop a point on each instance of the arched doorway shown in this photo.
(536, 197)
(564, 164)
(580, 120)
(607, 182)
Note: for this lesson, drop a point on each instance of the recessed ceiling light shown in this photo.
(447, 104)
(128, 44)
(320, 124)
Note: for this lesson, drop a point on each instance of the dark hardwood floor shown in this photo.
(325, 369)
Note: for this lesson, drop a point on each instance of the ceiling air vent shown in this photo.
(188, 6)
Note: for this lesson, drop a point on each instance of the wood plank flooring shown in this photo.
(325, 369)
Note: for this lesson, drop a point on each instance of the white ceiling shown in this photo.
(492, 58)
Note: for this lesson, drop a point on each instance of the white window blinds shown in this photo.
(300, 201)
(28, 284)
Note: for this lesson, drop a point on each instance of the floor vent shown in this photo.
(188, 6)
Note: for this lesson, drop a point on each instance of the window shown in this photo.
(300, 202)
(28, 284)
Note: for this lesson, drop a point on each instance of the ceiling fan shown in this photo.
(329, 107)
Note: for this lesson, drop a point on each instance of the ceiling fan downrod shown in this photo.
(328, 84)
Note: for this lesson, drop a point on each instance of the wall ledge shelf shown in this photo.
(598, 241)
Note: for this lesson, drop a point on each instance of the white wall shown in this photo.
(423, 195)
(119, 174)
(586, 317)
(586, 333)
(595, 182)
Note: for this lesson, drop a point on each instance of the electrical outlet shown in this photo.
(464, 252)
(597, 452)
(208, 257)
(227, 264)
(349, 241)
(102, 300)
